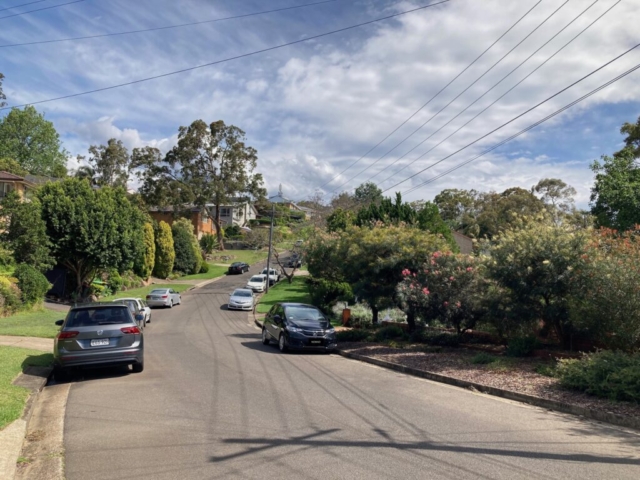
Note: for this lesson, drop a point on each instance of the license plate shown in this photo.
(99, 343)
(155, 298)
(315, 342)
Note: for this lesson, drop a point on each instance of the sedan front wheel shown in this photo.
(265, 337)
(282, 344)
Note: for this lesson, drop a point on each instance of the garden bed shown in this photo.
(514, 374)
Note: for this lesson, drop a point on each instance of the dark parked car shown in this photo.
(238, 267)
(298, 326)
(98, 335)
(295, 261)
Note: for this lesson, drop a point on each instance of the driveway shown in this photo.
(213, 402)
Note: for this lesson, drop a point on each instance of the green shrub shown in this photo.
(352, 335)
(613, 375)
(187, 258)
(388, 333)
(232, 231)
(324, 292)
(208, 243)
(115, 282)
(521, 346)
(33, 284)
(144, 265)
(361, 315)
(546, 370)
(204, 268)
(165, 254)
(482, 358)
(9, 296)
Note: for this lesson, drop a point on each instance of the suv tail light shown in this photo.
(69, 334)
(165, 296)
(130, 330)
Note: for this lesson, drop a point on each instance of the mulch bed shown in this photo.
(516, 375)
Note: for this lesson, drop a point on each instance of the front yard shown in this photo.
(247, 256)
(284, 291)
(215, 271)
(36, 323)
(12, 398)
(143, 291)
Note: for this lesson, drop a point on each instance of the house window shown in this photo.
(5, 189)
(225, 211)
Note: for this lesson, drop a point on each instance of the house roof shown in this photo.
(10, 176)
(279, 199)
(40, 179)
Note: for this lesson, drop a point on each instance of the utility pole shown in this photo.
(270, 245)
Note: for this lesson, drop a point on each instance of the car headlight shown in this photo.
(330, 330)
(294, 329)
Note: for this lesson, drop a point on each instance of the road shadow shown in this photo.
(312, 440)
(273, 348)
(87, 374)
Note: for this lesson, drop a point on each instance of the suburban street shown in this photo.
(213, 402)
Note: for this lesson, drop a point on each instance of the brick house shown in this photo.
(200, 220)
(10, 183)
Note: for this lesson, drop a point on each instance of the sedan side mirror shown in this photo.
(277, 318)
(139, 317)
(59, 322)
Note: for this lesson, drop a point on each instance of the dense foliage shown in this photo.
(208, 243)
(144, 263)
(32, 283)
(188, 258)
(165, 253)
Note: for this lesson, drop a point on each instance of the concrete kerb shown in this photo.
(606, 417)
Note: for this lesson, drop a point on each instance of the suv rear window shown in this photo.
(89, 317)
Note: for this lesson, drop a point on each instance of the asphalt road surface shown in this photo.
(213, 402)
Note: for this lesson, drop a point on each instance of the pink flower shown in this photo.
(458, 304)
(433, 262)
(413, 285)
(406, 272)
(425, 290)
(451, 279)
(446, 304)
(437, 254)
(414, 275)
(469, 269)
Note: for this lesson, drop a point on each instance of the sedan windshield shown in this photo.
(301, 313)
(158, 292)
(242, 293)
(257, 279)
(236, 264)
(88, 317)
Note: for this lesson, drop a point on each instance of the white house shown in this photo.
(238, 213)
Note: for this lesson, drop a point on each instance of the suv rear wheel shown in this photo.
(138, 367)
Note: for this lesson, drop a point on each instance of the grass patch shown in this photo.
(296, 291)
(482, 358)
(143, 291)
(246, 256)
(12, 398)
(503, 365)
(35, 323)
(215, 271)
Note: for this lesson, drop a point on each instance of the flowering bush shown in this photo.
(606, 289)
(447, 288)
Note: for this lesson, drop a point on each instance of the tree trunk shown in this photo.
(216, 220)
(375, 312)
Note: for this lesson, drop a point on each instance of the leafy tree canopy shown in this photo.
(109, 164)
(32, 141)
(557, 195)
(91, 230)
(11, 166)
(368, 193)
(210, 165)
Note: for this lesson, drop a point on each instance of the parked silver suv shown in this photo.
(97, 335)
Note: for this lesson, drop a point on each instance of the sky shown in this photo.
(315, 108)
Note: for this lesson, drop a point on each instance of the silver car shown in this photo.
(163, 297)
(98, 335)
(146, 310)
(241, 299)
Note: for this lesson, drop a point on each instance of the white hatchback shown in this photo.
(142, 305)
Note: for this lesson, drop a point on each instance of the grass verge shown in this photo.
(12, 398)
(247, 256)
(36, 323)
(143, 291)
(215, 271)
(296, 291)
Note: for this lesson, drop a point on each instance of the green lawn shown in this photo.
(247, 256)
(37, 323)
(143, 291)
(215, 271)
(12, 398)
(297, 291)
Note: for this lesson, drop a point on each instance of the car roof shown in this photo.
(242, 290)
(237, 263)
(294, 304)
(98, 305)
(160, 289)
(127, 298)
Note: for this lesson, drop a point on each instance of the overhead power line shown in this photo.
(165, 27)
(517, 117)
(41, 9)
(489, 90)
(436, 95)
(457, 96)
(530, 127)
(236, 57)
(21, 5)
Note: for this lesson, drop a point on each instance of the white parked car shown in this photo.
(142, 305)
(257, 283)
(163, 297)
(241, 299)
(274, 276)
